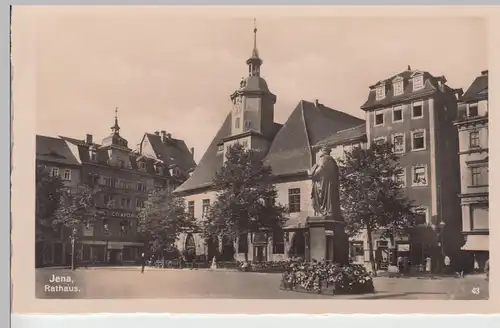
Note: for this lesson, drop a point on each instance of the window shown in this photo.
(205, 207)
(92, 155)
(110, 182)
(357, 249)
(398, 140)
(398, 87)
(418, 140)
(108, 201)
(380, 140)
(244, 144)
(379, 117)
(105, 226)
(417, 110)
(479, 176)
(124, 227)
(474, 139)
(125, 185)
(67, 174)
(237, 123)
(141, 186)
(279, 242)
(125, 202)
(419, 176)
(142, 166)
(418, 82)
(191, 208)
(380, 93)
(472, 110)
(121, 163)
(139, 203)
(479, 216)
(421, 216)
(397, 114)
(400, 178)
(54, 172)
(294, 200)
(159, 169)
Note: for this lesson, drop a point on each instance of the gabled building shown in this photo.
(472, 125)
(61, 159)
(288, 149)
(415, 110)
(125, 177)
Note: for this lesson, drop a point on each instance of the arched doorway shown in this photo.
(228, 250)
(190, 248)
(298, 247)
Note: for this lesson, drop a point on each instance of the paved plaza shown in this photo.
(129, 283)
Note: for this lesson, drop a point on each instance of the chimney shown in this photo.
(88, 139)
(192, 151)
(316, 103)
(157, 133)
(484, 72)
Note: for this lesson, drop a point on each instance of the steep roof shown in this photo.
(342, 136)
(309, 123)
(172, 151)
(290, 149)
(478, 89)
(430, 86)
(54, 150)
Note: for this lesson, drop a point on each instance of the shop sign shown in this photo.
(115, 245)
(329, 232)
(403, 247)
(122, 214)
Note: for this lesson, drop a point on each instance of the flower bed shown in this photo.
(321, 277)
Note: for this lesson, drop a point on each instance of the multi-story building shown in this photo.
(58, 157)
(415, 110)
(125, 176)
(472, 125)
(290, 151)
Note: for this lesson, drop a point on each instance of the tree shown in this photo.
(371, 197)
(48, 192)
(163, 218)
(76, 209)
(246, 197)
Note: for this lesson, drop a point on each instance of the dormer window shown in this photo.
(380, 92)
(472, 110)
(92, 155)
(159, 169)
(418, 82)
(398, 87)
(142, 166)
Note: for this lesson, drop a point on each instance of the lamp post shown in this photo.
(73, 242)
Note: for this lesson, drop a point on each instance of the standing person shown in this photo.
(405, 264)
(399, 263)
(143, 262)
(428, 264)
(476, 265)
(447, 264)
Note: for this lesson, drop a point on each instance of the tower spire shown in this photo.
(116, 128)
(254, 62)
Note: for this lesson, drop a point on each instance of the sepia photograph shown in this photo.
(257, 156)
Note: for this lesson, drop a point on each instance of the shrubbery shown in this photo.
(342, 279)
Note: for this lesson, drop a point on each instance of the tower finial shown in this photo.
(255, 33)
(116, 127)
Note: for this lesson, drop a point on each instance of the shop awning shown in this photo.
(477, 243)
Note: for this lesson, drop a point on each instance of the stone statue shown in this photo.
(325, 188)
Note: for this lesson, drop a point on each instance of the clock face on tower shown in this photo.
(237, 105)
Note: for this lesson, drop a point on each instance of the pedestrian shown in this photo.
(406, 264)
(399, 263)
(428, 264)
(143, 262)
(476, 264)
(447, 263)
(487, 269)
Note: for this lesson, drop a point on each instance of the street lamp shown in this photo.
(73, 242)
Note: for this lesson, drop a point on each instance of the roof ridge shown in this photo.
(51, 137)
(307, 133)
(351, 128)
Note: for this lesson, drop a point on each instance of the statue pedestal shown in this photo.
(327, 240)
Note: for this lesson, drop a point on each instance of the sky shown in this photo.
(172, 71)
